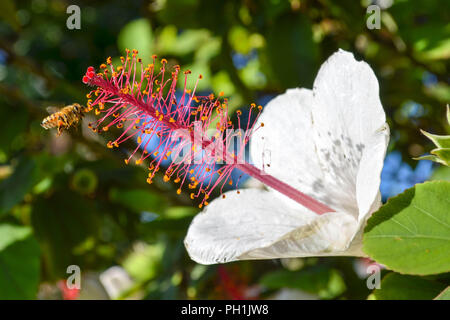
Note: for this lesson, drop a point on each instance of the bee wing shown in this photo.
(52, 109)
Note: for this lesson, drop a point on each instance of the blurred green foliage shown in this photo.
(70, 200)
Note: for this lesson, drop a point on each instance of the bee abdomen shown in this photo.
(50, 122)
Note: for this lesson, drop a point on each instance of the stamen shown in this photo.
(143, 102)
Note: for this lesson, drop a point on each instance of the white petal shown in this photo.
(255, 225)
(351, 130)
(285, 146)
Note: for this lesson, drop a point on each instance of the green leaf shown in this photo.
(19, 263)
(14, 188)
(442, 153)
(395, 286)
(142, 264)
(174, 42)
(411, 232)
(166, 226)
(84, 181)
(325, 282)
(11, 233)
(8, 13)
(242, 41)
(441, 156)
(448, 114)
(138, 200)
(441, 173)
(13, 129)
(180, 12)
(429, 37)
(137, 35)
(444, 295)
(292, 52)
(174, 212)
(63, 224)
(439, 141)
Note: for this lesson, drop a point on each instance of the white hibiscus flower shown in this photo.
(329, 143)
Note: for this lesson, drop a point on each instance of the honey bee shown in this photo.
(63, 118)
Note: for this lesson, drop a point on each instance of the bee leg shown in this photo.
(61, 126)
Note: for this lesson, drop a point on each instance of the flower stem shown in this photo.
(284, 188)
